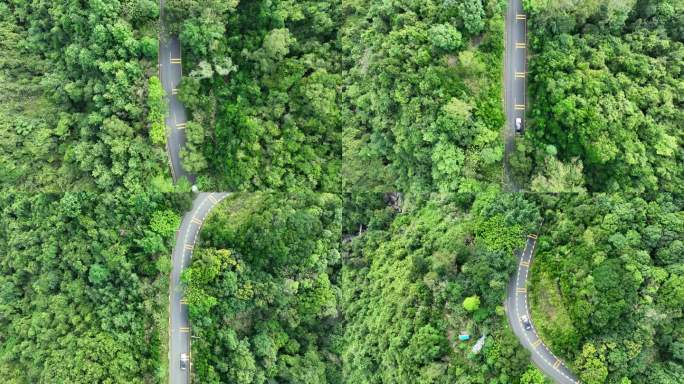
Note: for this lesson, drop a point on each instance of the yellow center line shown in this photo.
(556, 364)
(521, 290)
(536, 343)
(213, 199)
(196, 221)
(188, 246)
(520, 16)
(532, 236)
(525, 263)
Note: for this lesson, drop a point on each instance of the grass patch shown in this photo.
(550, 317)
(162, 321)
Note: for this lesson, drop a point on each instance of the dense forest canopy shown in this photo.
(422, 272)
(261, 84)
(422, 94)
(262, 290)
(376, 128)
(606, 91)
(608, 284)
(74, 109)
(83, 286)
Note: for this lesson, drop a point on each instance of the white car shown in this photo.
(183, 361)
(518, 125)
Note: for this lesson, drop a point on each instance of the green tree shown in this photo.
(471, 303)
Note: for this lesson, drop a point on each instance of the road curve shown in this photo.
(170, 72)
(179, 325)
(517, 306)
(515, 80)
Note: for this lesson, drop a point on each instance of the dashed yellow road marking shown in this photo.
(525, 263)
(196, 221)
(536, 343)
(189, 246)
(520, 16)
(184, 329)
(557, 363)
(184, 301)
(520, 45)
(520, 107)
(520, 75)
(174, 91)
(175, 60)
(521, 290)
(213, 199)
(180, 125)
(532, 236)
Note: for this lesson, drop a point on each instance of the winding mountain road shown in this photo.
(180, 337)
(515, 84)
(515, 81)
(179, 325)
(170, 72)
(517, 306)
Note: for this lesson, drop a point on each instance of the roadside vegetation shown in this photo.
(608, 286)
(83, 281)
(605, 85)
(262, 290)
(74, 80)
(418, 273)
(422, 95)
(261, 84)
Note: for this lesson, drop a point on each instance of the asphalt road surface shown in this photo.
(170, 71)
(515, 80)
(516, 307)
(179, 325)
